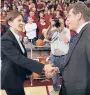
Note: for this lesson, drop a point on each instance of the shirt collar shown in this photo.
(79, 29)
(16, 35)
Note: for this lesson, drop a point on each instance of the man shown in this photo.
(59, 49)
(15, 64)
(76, 75)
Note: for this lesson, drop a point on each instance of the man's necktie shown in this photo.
(74, 38)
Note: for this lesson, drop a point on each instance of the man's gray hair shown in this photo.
(80, 7)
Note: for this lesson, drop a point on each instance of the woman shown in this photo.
(15, 64)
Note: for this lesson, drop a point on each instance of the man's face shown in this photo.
(72, 20)
(17, 24)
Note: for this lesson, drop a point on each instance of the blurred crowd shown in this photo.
(38, 15)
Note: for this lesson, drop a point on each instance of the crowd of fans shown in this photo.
(37, 15)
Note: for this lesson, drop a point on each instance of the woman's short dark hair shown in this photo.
(12, 15)
(82, 8)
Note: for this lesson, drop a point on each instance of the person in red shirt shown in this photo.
(61, 13)
(48, 16)
(57, 15)
(41, 25)
(61, 4)
(40, 6)
(32, 7)
(34, 16)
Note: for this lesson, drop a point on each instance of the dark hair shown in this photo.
(12, 15)
(82, 8)
(57, 23)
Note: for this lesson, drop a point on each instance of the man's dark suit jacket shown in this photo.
(15, 64)
(76, 75)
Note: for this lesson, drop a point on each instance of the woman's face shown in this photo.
(42, 21)
(49, 12)
(30, 1)
(41, 14)
(46, 9)
(14, 7)
(17, 24)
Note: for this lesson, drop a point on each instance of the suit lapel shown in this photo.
(16, 43)
(73, 46)
(24, 49)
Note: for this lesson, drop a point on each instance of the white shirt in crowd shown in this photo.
(58, 45)
(31, 30)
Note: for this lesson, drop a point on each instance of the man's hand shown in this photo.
(64, 37)
(50, 71)
(25, 40)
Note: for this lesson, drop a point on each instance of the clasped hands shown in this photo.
(50, 70)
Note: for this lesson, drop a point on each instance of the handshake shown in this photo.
(50, 70)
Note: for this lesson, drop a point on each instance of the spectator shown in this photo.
(59, 49)
(41, 25)
(30, 29)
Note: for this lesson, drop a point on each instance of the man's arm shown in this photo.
(88, 45)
